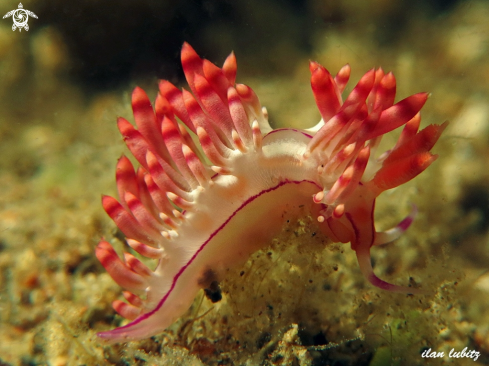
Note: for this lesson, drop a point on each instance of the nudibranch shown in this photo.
(215, 180)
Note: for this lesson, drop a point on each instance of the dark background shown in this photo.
(111, 41)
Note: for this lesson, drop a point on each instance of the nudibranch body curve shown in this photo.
(213, 188)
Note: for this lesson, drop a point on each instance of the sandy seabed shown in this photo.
(301, 300)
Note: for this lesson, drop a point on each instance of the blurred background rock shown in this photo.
(109, 42)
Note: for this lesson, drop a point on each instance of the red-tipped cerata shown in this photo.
(212, 168)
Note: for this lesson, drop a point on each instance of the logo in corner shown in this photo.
(20, 17)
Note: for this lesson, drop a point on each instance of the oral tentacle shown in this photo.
(364, 262)
(388, 236)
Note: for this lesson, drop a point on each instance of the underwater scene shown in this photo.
(256, 182)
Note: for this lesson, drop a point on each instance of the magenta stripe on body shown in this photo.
(175, 279)
(288, 129)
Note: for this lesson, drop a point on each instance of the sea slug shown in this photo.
(215, 179)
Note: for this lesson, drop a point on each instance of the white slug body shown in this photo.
(202, 210)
